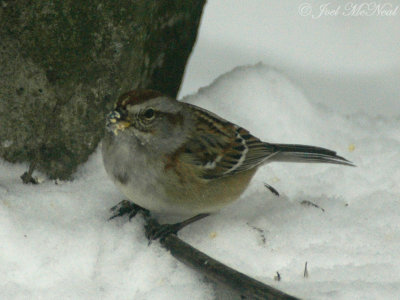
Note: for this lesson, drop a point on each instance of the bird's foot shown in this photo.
(155, 231)
(126, 207)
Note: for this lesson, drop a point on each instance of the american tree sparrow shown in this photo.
(172, 157)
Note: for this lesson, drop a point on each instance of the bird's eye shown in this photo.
(149, 113)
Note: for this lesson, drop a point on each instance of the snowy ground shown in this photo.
(350, 63)
(56, 241)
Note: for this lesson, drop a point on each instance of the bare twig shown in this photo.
(27, 176)
(277, 276)
(271, 189)
(305, 271)
(309, 203)
(247, 287)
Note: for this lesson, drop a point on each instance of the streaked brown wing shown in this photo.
(219, 148)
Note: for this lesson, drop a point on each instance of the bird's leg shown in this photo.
(154, 230)
(127, 207)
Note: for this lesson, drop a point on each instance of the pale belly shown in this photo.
(145, 182)
(187, 199)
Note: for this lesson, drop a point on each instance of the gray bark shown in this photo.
(64, 62)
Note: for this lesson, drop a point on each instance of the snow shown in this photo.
(352, 246)
(55, 237)
(350, 63)
(57, 242)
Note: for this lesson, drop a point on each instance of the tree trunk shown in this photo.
(64, 62)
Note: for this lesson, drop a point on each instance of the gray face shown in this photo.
(156, 123)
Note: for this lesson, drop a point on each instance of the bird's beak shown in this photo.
(115, 123)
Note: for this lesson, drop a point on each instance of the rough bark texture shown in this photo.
(63, 63)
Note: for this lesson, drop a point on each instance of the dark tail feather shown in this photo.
(309, 154)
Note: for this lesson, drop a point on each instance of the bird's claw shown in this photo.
(126, 207)
(156, 231)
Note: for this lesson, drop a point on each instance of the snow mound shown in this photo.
(56, 240)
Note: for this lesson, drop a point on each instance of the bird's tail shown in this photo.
(308, 154)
